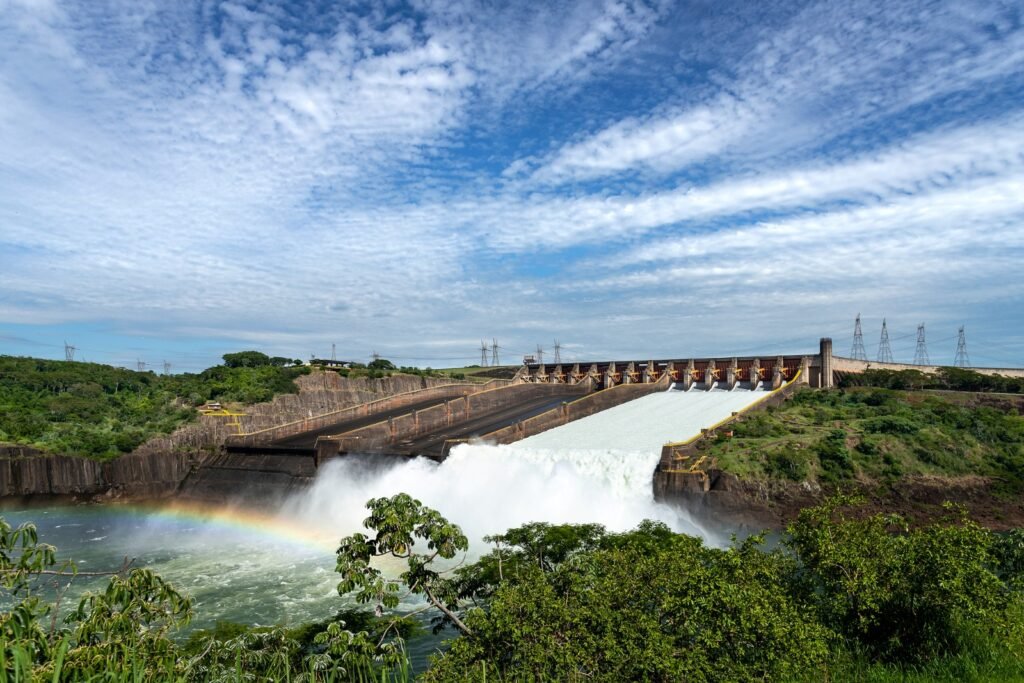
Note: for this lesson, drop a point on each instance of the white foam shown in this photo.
(487, 489)
(596, 469)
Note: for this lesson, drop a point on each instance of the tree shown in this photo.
(246, 359)
(567, 602)
(381, 364)
(399, 521)
(899, 593)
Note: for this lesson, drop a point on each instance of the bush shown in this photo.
(896, 593)
(834, 456)
(789, 463)
(890, 425)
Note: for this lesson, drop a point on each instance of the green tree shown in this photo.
(246, 359)
(895, 592)
(398, 522)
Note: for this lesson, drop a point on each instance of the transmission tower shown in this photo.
(962, 360)
(483, 353)
(858, 352)
(921, 353)
(375, 356)
(494, 353)
(540, 355)
(167, 368)
(884, 350)
(333, 356)
(69, 351)
(558, 353)
(140, 365)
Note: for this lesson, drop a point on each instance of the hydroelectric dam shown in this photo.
(665, 406)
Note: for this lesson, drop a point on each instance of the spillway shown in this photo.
(646, 424)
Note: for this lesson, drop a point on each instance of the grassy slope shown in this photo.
(877, 434)
(101, 411)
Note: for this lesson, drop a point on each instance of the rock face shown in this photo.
(727, 502)
(27, 472)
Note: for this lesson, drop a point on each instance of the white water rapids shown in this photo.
(596, 469)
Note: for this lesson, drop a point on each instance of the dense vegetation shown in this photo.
(845, 597)
(102, 411)
(949, 379)
(877, 434)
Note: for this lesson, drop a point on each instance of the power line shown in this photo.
(961, 360)
(884, 350)
(858, 353)
(921, 353)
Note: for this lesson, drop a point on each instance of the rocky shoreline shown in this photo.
(752, 505)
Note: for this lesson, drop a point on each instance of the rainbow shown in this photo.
(241, 519)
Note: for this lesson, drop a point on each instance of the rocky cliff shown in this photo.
(28, 472)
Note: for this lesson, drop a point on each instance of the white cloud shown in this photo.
(238, 173)
(830, 55)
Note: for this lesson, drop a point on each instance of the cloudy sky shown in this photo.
(634, 179)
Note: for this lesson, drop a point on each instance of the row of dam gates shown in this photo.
(430, 421)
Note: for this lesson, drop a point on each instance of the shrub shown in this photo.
(890, 425)
(788, 462)
(834, 456)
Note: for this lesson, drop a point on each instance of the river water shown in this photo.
(265, 563)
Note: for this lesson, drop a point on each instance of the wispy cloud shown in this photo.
(422, 175)
(834, 60)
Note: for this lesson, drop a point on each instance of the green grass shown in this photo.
(875, 434)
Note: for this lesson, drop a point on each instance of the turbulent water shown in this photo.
(487, 489)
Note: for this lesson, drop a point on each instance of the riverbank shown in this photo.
(902, 451)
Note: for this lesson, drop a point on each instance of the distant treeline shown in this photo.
(950, 379)
(101, 411)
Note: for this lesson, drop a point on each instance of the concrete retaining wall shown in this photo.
(146, 475)
(421, 422)
(670, 482)
(449, 391)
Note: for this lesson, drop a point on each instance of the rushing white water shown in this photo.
(487, 489)
(597, 469)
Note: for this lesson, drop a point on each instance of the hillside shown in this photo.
(101, 411)
(872, 434)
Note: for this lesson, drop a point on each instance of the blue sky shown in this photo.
(641, 179)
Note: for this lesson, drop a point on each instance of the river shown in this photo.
(261, 562)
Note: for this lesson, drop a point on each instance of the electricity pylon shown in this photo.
(858, 353)
(962, 360)
(884, 350)
(921, 352)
